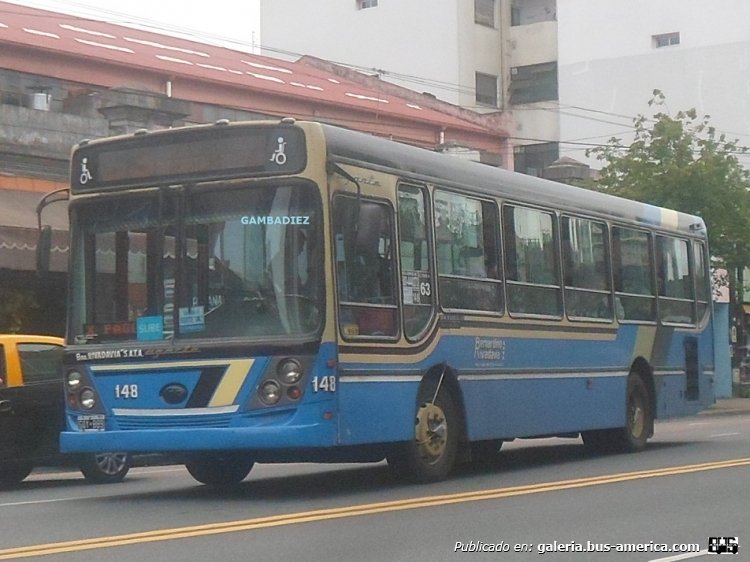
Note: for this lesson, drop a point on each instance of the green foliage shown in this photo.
(682, 163)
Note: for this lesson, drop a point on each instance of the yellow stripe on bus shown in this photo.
(231, 382)
(644, 343)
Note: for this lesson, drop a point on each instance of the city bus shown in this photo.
(292, 291)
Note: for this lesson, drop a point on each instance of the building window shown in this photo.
(486, 89)
(665, 39)
(364, 4)
(526, 12)
(535, 82)
(484, 12)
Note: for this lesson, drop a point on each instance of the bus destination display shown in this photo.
(211, 153)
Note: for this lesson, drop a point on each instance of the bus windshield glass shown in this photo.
(192, 263)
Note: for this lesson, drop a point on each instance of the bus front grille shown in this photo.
(165, 422)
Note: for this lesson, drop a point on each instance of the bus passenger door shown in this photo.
(417, 280)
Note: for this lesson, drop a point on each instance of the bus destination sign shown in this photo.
(200, 154)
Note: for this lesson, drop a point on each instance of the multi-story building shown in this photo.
(571, 73)
(487, 55)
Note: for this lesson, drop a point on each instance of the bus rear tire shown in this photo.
(220, 469)
(639, 423)
(431, 455)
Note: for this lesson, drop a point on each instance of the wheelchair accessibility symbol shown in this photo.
(279, 156)
(85, 173)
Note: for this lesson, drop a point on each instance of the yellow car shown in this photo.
(32, 413)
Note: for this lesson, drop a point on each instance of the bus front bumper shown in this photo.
(200, 439)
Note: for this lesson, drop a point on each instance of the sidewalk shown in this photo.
(728, 406)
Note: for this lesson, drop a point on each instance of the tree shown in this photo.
(682, 163)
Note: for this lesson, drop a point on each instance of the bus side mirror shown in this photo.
(43, 250)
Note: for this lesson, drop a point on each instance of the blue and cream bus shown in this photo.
(292, 291)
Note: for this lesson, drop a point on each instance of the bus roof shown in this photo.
(417, 163)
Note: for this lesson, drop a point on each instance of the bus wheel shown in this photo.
(432, 454)
(12, 473)
(105, 468)
(639, 417)
(639, 421)
(219, 469)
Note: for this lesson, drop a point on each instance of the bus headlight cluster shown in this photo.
(290, 371)
(284, 382)
(270, 392)
(74, 381)
(79, 391)
(87, 398)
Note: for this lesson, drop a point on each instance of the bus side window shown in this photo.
(675, 287)
(529, 238)
(363, 236)
(466, 231)
(632, 269)
(702, 286)
(586, 269)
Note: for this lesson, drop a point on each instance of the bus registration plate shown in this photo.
(91, 423)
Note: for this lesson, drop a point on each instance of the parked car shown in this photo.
(32, 414)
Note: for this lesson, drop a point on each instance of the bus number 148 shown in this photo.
(127, 391)
(324, 384)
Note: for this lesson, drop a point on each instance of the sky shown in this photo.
(232, 23)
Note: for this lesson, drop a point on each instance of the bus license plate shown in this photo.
(91, 423)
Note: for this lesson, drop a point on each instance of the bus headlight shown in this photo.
(87, 398)
(290, 371)
(74, 380)
(270, 392)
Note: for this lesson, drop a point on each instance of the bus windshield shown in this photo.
(188, 262)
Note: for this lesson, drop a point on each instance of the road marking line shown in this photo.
(56, 500)
(725, 434)
(354, 511)
(681, 556)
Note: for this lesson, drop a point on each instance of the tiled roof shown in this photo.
(109, 43)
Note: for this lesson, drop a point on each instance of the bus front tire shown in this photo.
(219, 469)
(639, 423)
(431, 455)
(105, 468)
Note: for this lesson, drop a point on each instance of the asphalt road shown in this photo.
(545, 497)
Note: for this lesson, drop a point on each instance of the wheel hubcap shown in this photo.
(637, 419)
(111, 463)
(431, 432)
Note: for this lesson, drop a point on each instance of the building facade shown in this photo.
(489, 56)
(64, 79)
